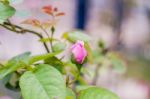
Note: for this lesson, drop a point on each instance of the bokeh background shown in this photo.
(124, 25)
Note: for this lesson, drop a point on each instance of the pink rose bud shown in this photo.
(79, 52)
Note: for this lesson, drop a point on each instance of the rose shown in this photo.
(79, 52)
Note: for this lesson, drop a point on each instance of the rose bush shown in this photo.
(47, 76)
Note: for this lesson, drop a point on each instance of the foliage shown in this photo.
(97, 93)
(6, 11)
(48, 76)
(38, 86)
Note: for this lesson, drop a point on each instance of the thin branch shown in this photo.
(95, 79)
(47, 35)
(21, 30)
(52, 34)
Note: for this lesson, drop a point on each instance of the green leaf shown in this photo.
(59, 47)
(119, 65)
(76, 35)
(6, 12)
(14, 64)
(72, 69)
(16, 1)
(55, 62)
(90, 54)
(24, 58)
(37, 58)
(82, 87)
(44, 83)
(117, 62)
(48, 39)
(5, 2)
(70, 94)
(98, 56)
(97, 93)
(13, 82)
(6, 79)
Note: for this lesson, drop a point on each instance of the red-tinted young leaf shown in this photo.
(60, 14)
(55, 9)
(49, 23)
(48, 9)
(33, 22)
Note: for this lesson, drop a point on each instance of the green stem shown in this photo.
(52, 34)
(21, 30)
(47, 36)
(96, 74)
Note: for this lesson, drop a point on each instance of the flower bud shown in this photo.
(79, 52)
